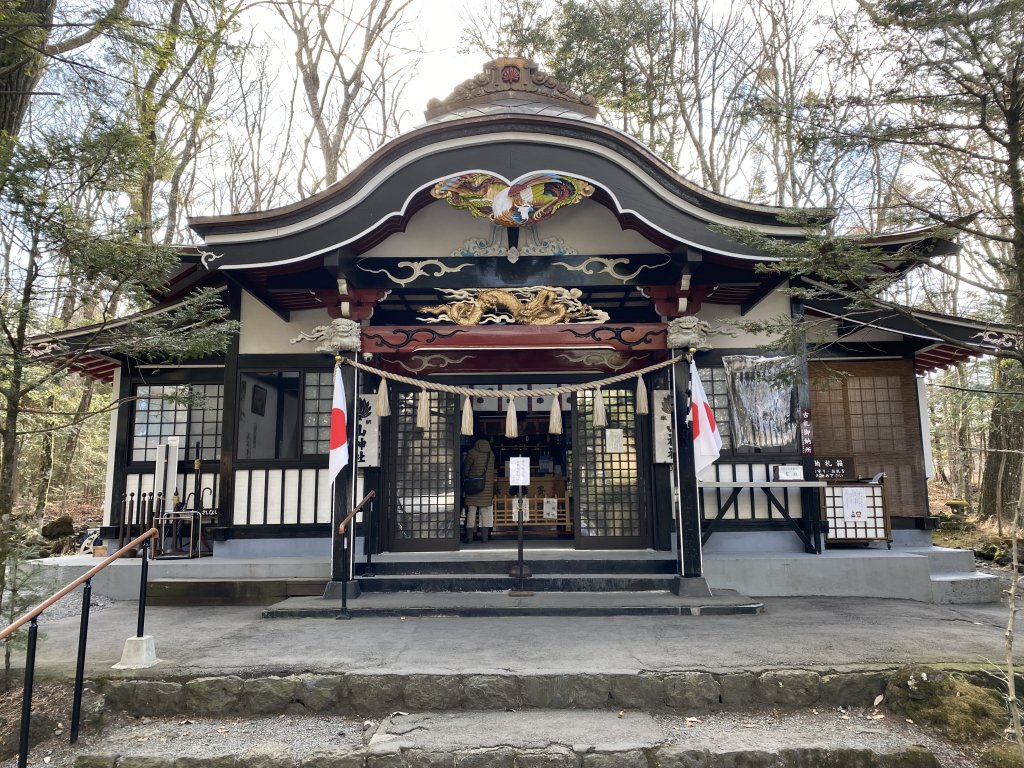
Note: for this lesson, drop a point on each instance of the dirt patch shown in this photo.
(51, 715)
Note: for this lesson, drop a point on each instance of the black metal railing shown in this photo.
(345, 554)
(139, 513)
(32, 618)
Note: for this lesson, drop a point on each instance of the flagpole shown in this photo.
(341, 495)
(690, 566)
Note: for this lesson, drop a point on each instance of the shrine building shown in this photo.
(510, 257)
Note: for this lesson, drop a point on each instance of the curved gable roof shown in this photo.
(510, 136)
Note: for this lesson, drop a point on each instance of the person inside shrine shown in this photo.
(479, 464)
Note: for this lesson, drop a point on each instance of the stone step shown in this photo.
(225, 591)
(505, 603)
(499, 564)
(378, 694)
(500, 581)
(537, 739)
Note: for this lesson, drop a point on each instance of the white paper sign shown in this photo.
(855, 504)
(520, 508)
(550, 509)
(613, 441)
(519, 470)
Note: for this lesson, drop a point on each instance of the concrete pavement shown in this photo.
(793, 633)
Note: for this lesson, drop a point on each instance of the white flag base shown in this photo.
(138, 653)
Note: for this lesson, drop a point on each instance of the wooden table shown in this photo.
(809, 532)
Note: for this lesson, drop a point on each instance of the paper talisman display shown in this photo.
(613, 441)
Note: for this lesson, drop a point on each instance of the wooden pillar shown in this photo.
(810, 499)
(229, 424)
(122, 444)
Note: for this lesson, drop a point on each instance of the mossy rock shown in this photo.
(1006, 755)
(963, 712)
(60, 527)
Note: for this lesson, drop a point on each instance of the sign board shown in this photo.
(613, 441)
(834, 468)
(806, 433)
(788, 472)
(855, 503)
(550, 510)
(519, 470)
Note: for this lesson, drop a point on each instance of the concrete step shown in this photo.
(225, 591)
(503, 603)
(497, 581)
(500, 564)
(961, 588)
(945, 560)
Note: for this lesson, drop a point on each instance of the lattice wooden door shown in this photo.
(423, 475)
(608, 487)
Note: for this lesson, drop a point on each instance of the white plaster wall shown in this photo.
(439, 229)
(729, 319)
(264, 333)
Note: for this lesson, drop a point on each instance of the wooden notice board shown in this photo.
(856, 512)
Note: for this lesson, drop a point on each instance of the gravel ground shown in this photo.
(299, 735)
(68, 606)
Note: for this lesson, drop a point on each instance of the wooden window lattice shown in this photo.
(426, 468)
(608, 488)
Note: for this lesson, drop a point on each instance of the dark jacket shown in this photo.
(480, 461)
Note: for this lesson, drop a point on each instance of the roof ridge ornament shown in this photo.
(505, 77)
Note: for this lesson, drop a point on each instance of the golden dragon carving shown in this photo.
(546, 306)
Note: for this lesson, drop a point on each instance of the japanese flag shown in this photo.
(707, 442)
(339, 427)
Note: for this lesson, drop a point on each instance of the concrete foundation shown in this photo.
(926, 574)
(138, 653)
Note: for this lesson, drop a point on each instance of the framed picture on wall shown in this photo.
(259, 400)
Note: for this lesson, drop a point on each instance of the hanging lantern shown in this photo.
(600, 418)
(555, 420)
(642, 407)
(467, 415)
(383, 401)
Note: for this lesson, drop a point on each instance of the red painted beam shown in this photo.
(635, 337)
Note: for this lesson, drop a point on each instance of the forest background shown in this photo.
(121, 118)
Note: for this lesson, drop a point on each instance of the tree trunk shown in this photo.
(1005, 438)
(23, 64)
(74, 439)
(45, 473)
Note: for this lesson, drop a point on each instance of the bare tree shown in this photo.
(349, 62)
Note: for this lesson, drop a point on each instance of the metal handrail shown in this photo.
(32, 619)
(87, 576)
(342, 528)
(355, 511)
